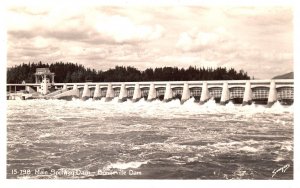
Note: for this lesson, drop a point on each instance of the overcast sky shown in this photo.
(258, 40)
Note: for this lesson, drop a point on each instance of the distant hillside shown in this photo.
(70, 72)
(289, 75)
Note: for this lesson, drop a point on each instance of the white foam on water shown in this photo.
(247, 146)
(152, 109)
(278, 108)
(80, 119)
(123, 166)
(287, 146)
(230, 104)
(143, 126)
(279, 158)
(170, 147)
(249, 149)
(191, 159)
(45, 135)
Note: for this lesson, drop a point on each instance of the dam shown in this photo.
(222, 91)
(245, 91)
(187, 141)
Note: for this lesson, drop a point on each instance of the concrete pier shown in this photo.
(75, 91)
(168, 93)
(152, 93)
(205, 96)
(29, 89)
(225, 94)
(86, 94)
(97, 93)
(65, 88)
(137, 94)
(185, 93)
(110, 94)
(272, 94)
(247, 98)
(123, 93)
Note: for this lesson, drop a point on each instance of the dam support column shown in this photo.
(97, 93)
(247, 98)
(123, 93)
(185, 93)
(86, 94)
(110, 94)
(168, 93)
(137, 94)
(272, 94)
(65, 88)
(205, 96)
(75, 90)
(152, 93)
(225, 94)
(29, 89)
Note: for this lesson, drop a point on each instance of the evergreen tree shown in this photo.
(70, 72)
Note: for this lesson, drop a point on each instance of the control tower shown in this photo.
(44, 77)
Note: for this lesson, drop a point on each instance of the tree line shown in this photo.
(72, 73)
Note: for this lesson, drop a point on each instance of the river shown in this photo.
(58, 139)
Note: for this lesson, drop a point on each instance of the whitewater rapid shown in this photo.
(155, 140)
(156, 108)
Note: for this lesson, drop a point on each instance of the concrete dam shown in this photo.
(238, 91)
(222, 91)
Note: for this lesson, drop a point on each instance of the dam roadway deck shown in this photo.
(243, 91)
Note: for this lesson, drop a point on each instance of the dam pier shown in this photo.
(222, 91)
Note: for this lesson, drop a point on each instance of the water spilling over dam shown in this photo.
(238, 91)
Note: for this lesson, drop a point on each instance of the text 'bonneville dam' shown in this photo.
(238, 91)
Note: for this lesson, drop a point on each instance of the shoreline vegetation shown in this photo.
(66, 72)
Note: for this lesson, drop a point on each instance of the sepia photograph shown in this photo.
(151, 92)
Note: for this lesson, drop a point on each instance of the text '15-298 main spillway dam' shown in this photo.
(238, 91)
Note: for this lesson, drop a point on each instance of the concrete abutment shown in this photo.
(86, 94)
(97, 92)
(152, 93)
(168, 93)
(247, 98)
(137, 94)
(225, 94)
(110, 94)
(272, 94)
(123, 93)
(205, 96)
(186, 94)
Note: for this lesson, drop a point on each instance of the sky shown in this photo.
(257, 39)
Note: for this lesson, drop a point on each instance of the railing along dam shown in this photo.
(238, 91)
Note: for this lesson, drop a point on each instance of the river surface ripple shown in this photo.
(57, 139)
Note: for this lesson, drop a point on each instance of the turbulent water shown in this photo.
(148, 140)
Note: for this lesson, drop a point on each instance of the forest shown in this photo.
(66, 72)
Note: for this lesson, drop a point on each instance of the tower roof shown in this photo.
(43, 71)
